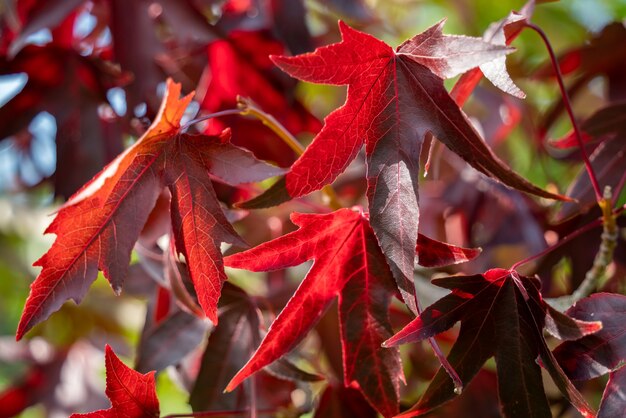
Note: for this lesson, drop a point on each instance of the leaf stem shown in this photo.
(456, 380)
(248, 108)
(227, 112)
(616, 212)
(570, 112)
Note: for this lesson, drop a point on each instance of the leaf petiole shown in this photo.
(248, 108)
(227, 112)
(568, 106)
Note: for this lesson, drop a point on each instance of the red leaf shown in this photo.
(132, 394)
(599, 353)
(240, 66)
(393, 101)
(98, 226)
(349, 264)
(502, 315)
(433, 253)
(606, 123)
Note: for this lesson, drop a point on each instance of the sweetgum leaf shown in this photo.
(349, 264)
(567, 328)
(132, 394)
(395, 98)
(340, 402)
(40, 16)
(599, 353)
(98, 226)
(502, 32)
(433, 253)
(502, 315)
(607, 128)
(603, 124)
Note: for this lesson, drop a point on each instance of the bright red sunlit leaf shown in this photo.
(97, 228)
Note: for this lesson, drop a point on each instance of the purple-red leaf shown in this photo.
(566, 328)
(395, 98)
(132, 394)
(169, 341)
(97, 228)
(228, 348)
(349, 264)
(599, 353)
(502, 315)
(450, 55)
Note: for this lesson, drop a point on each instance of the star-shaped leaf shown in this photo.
(502, 315)
(599, 353)
(349, 264)
(395, 98)
(97, 228)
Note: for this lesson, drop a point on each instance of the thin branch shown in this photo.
(247, 107)
(227, 112)
(570, 112)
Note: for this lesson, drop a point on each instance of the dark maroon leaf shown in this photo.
(229, 346)
(566, 328)
(340, 402)
(502, 315)
(290, 25)
(479, 399)
(599, 353)
(72, 89)
(169, 341)
(45, 14)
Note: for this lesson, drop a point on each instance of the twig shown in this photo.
(570, 112)
(248, 108)
(227, 112)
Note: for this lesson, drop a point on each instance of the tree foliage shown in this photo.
(399, 221)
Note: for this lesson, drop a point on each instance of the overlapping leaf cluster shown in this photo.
(180, 180)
